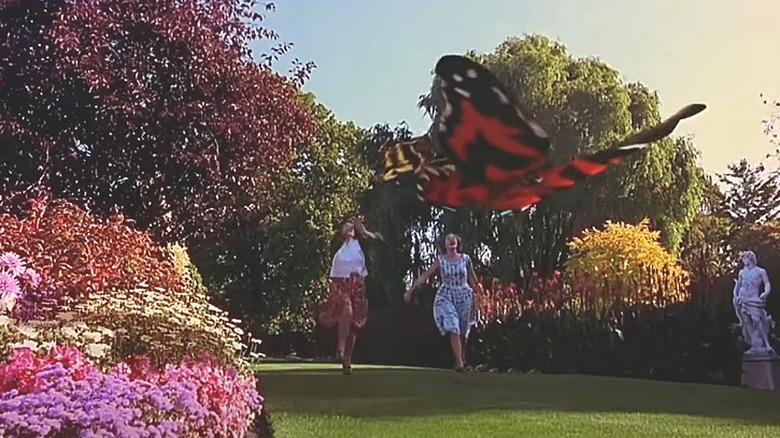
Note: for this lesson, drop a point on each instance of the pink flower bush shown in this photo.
(24, 371)
(229, 398)
(62, 394)
(21, 287)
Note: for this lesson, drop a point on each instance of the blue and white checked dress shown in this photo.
(453, 307)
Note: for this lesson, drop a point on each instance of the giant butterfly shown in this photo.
(492, 154)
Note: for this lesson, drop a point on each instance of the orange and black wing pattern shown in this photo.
(398, 158)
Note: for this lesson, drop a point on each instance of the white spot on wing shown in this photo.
(501, 96)
(447, 109)
(471, 73)
(457, 77)
(463, 92)
(537, 129)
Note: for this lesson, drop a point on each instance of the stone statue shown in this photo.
(749, 303)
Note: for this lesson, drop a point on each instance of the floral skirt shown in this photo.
(347, 295)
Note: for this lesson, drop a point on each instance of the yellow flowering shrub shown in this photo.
(624, 264)
(9, 336)
(165, 325)
(177, 255)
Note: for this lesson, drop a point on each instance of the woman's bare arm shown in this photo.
(426, 275)
(472, 277)
(360, 229)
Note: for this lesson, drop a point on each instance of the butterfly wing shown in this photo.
(665, 128)
(398, 158)
(480, 129)
(454, 190)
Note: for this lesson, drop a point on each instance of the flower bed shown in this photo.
(62, 393)
(93, 346)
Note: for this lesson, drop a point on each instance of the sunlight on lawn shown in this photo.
(315, 400)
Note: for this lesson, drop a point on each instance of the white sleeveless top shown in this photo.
(348, 259)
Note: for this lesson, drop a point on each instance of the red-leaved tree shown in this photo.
(152, 106)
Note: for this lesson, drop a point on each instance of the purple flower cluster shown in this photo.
(62, 395)
(101, 405)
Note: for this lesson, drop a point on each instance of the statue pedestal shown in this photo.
(761, 372)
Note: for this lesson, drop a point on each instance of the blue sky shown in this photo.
(374, 56)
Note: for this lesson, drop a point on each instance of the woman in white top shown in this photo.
(346, 307)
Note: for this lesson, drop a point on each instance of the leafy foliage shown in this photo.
(273, 269)
(770, 123)
(751, 194)
(410, 227)
(625, 263)
(544, 328)
(503, 303)
(764, 240)
(153, 106)
(675, 343)
(114, 277)
(707, 253)
(80, 254)
(167, 327)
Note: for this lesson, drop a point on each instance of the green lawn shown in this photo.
(315, 400)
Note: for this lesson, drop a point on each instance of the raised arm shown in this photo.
(360, 229)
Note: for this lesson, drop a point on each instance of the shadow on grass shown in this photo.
(321, 389)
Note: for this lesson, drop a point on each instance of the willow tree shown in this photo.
(408, 225)
(585, 106)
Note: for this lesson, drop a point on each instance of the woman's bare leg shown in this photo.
(343, 329)
(457, 350)
(346, 362)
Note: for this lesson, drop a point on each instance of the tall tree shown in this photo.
(585, 106)
(752, 194)
(272, 270)
(154, 106)
(770, 124)
(408, 225)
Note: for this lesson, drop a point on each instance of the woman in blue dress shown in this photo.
(454, 306)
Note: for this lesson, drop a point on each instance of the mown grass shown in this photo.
(315, 400)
